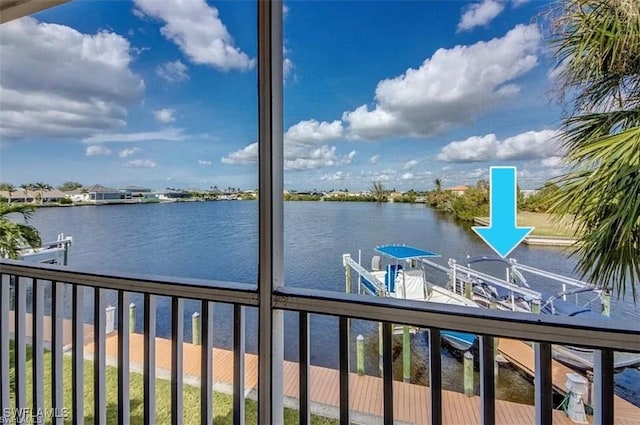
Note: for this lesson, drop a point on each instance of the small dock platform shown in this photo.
(521, 355)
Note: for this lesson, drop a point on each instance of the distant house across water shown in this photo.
(457, 190)
(140, 194)
(99, 194)
(33, 195)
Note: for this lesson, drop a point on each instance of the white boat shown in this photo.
(51, 252)
(404, 278)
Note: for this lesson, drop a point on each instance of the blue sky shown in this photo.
(147, 93)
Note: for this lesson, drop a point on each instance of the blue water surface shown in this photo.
(218, 240)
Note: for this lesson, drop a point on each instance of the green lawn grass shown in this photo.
(545, 224)
(222, 403)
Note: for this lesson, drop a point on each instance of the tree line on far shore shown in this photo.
(474, 201)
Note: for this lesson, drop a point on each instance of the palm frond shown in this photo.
(604, 193)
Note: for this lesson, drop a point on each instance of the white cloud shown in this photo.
(409, 164)
(197, 29)
(536, 173)
(479, 14)
(312, 131)
(97, 150)
(337, 176)
(58, 82)
(304, 147)
(374, 159)
(165, 115)
(383, 176)
(554, 162)
(169, 134)
(287, 67)
(141, 163)
(128, 152)
(450, 89)
(473, 149)
(297, 156)
(173, 72)
(301, 157)
(530, 145)
(246, 155)
(204, 162)
(525, 146)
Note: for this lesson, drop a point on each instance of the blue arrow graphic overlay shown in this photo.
(503, 235)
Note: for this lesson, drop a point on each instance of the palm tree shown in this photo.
(25, 188)
(9, 188)
(40, 187)
(597, 46)
(14, 235)
(438, 184)
(43, 187)
(378, 191)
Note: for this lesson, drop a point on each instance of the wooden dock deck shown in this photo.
(522, 356)
(411, 402)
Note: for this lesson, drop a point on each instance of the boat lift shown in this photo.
(463, 280)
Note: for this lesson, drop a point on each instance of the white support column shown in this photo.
(271, 211)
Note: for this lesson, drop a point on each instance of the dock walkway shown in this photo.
(411, 402)
(522, 356)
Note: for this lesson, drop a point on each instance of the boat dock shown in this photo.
(411, 401)
(521, 355)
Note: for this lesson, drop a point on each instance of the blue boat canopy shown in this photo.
(403, 252)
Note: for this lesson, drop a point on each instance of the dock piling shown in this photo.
(195, 328)
(468, 374)
(132, 318)
(535, 306)
(406, 354)
(468, 290)
(360, 354)
(606, 303)
(347, 278)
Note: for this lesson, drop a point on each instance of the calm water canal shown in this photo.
(218, 240)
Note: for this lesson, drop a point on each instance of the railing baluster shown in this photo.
(99, 364)
(435, 375)
(177, 337)
(238, 364)
(37, 345)
(603, 387)
(206, 371)
(149, 372)
(57, 375)
(20, 357)
(344, 369)
(387, 371)
(487, 383)
(5, 389)
(303, 396)
(124, 405)
(543, 383)
(77, 355)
